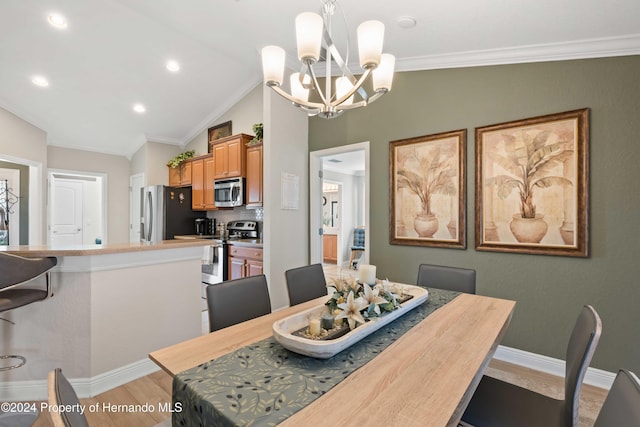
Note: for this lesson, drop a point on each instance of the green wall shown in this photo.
(549, 290)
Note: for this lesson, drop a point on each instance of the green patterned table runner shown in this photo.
(263, 384)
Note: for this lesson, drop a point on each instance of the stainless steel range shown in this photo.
(242, 229)
(214, 262)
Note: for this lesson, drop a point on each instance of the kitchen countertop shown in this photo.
(252, 243)
(85, 250)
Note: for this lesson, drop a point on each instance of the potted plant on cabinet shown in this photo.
(258, 130)
(177, 160)
(530, 159)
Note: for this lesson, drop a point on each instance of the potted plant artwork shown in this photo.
(427, 171)
(529, 159)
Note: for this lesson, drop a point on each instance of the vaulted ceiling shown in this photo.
(113, 53)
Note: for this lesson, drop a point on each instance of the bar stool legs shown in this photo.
(22, 360)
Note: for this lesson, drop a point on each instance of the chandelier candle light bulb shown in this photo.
(367, 274)
(370, 38)
(313, 38)
(309, 36)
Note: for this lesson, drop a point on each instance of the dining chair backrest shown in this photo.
(582, 344)
(622, 405)
(305, 283)
(61, 394)
(235, 301)
(449, 278)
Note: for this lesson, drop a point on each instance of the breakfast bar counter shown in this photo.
(33, 251)
(110, 306)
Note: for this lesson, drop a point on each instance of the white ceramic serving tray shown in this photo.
(324, 349)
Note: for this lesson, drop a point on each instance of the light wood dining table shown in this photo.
(425, 378)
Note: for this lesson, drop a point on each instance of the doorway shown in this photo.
(136, 183)
(77, 208)
(331, 221)
(9, 207)
(336, 165)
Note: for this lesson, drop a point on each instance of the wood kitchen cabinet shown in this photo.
(230, 155)
(244, 262)
(202, 183)
(180, 176)
(254, 176)
(330, 248)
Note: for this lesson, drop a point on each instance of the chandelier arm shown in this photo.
(371, 99)
(355, 88)
(296, 101)
(316, 85)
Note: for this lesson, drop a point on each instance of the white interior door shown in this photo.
(136, 182)
(67, 212)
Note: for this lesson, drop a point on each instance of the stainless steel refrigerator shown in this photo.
(166, 212)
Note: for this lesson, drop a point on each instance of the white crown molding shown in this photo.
(218, 112)
(162, 139)
(580, 49)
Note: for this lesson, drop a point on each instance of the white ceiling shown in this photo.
(113, 52)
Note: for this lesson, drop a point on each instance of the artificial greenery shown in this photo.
(258, 129)
(175, 162)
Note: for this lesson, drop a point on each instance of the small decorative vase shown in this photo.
(425, 225)
(528, 230)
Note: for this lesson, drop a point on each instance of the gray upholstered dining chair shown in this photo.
(61, 393)
(15, 272)
(449, 278)
(305, 283)
(622, 405)
(498, 403)
(235, 301)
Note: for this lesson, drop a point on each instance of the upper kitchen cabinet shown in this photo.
(254, 176)
(180, 176)
(230, 156)
(202, 171)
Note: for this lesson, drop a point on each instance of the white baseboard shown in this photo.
(14, 391)
(595, 377)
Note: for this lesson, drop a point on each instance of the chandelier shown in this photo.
(313, 36)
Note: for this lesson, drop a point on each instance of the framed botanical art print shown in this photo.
(218, 131)
(428, 190)
(532, 185)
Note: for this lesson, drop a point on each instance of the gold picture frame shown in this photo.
(428, 190)
(218, 131)
(532, 185)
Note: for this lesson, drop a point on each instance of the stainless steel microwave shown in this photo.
(228, 192)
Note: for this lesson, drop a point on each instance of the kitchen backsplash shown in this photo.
(225, 215)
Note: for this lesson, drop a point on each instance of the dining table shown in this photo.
(419, 370)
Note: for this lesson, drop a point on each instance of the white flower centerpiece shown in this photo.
(358, 302)
(357, 311)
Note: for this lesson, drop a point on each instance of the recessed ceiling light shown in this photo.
(139, 108)
(57, 20)
(406, 22)
(40, 81)
(173, 66)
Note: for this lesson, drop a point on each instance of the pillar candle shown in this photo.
(367, 274)
(314, 327)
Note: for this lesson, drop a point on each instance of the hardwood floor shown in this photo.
(151, 389)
